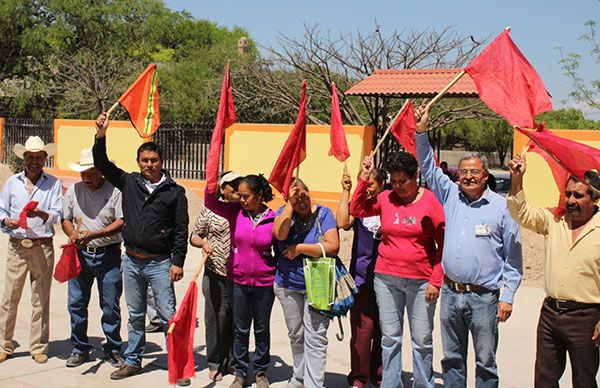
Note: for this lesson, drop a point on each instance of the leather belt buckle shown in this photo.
(561, 304)
(89, 249)
(26, 243)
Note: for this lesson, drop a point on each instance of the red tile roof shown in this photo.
(414, 83)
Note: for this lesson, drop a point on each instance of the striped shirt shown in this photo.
(214, 229)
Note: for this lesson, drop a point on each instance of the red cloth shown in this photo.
(293, 151)
(339, 146)
(404, 129)
(181, 340)
(140, 101)
(413, 235)
(560, 177)
(31, 205)
(508, 84)
(575, 157)
(68, 266)
(225, 118)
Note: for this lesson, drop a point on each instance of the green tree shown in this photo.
(567, 119)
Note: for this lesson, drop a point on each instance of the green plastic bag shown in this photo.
(319, 277)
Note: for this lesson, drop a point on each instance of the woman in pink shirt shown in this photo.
(408, 272)
(250, 273)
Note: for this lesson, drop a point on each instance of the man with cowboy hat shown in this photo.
(30, 249)
(97, 203)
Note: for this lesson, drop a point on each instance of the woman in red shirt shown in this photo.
(408, 272)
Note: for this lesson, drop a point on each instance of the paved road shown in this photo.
(515, 353)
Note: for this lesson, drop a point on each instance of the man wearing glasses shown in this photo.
(482, 255)
(570, 315)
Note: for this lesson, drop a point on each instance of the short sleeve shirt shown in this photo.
(215, 229)
(97, 209)
(290, 273)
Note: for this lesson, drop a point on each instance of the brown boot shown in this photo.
(238, 382)
(125, 371)
(262, 380)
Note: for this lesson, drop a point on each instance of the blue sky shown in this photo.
(537, 26)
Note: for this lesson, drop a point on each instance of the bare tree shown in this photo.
(321, 58)
(87, 83)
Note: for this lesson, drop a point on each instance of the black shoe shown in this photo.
(154, 328)
(77, 359)
(183, 382)
(114, 359)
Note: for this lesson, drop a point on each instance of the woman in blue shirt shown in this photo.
(300, 227)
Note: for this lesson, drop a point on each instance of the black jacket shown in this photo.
(155, 224)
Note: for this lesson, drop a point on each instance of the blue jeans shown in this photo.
(251, 304)
(137, 275)
(393, 294)
(476, 312)
(105, 267)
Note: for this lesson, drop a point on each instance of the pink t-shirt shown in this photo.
(412, 235)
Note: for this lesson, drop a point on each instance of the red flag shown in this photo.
(225, 118)
(293, 152)
(181, 339)
(31, 205)
(508, 84)
(561, 176)
(68, 266)
(141, 102)
(576, 158)
(404, 129)
(339, 146)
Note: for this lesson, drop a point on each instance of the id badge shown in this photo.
(483, 230)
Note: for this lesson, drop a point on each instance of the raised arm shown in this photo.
(360, 206)
(438, 182)
(533, 218)
(342, 217)
(111, 172)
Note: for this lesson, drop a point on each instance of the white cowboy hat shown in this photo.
(34, 144)
(86, 161)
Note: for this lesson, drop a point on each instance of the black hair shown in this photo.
(149, 146)
(402, 162)
(443, 163)
(593, 180)
(258, 184)
(379, 175)
(299, 182)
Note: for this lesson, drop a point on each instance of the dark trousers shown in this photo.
(105, 267)
(562, 332)
(251, 304)
(217, 321)
(365, 344)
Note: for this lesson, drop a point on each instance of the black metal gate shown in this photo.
(17, 130)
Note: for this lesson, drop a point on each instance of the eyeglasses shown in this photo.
(473, 171)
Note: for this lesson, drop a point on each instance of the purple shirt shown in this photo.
(367, 235)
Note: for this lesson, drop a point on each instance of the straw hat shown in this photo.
(34, 144)
(86, 161)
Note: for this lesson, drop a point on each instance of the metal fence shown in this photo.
(185, 145)
(185, 148)
(17, 130)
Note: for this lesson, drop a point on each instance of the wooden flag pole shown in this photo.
(345, 167)
(194, 279)
(113, 107)
(387, 131)
(445, 89)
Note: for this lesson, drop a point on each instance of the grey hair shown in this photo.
(477, 155)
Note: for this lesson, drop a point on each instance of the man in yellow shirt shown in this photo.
(570, 316)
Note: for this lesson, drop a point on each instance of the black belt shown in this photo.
(568, 305)
(463, 287)
(96, 250)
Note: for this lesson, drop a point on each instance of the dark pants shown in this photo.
(562, 332)
(217, 321)
(251, 304)
(105, 267)
(365, 344)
